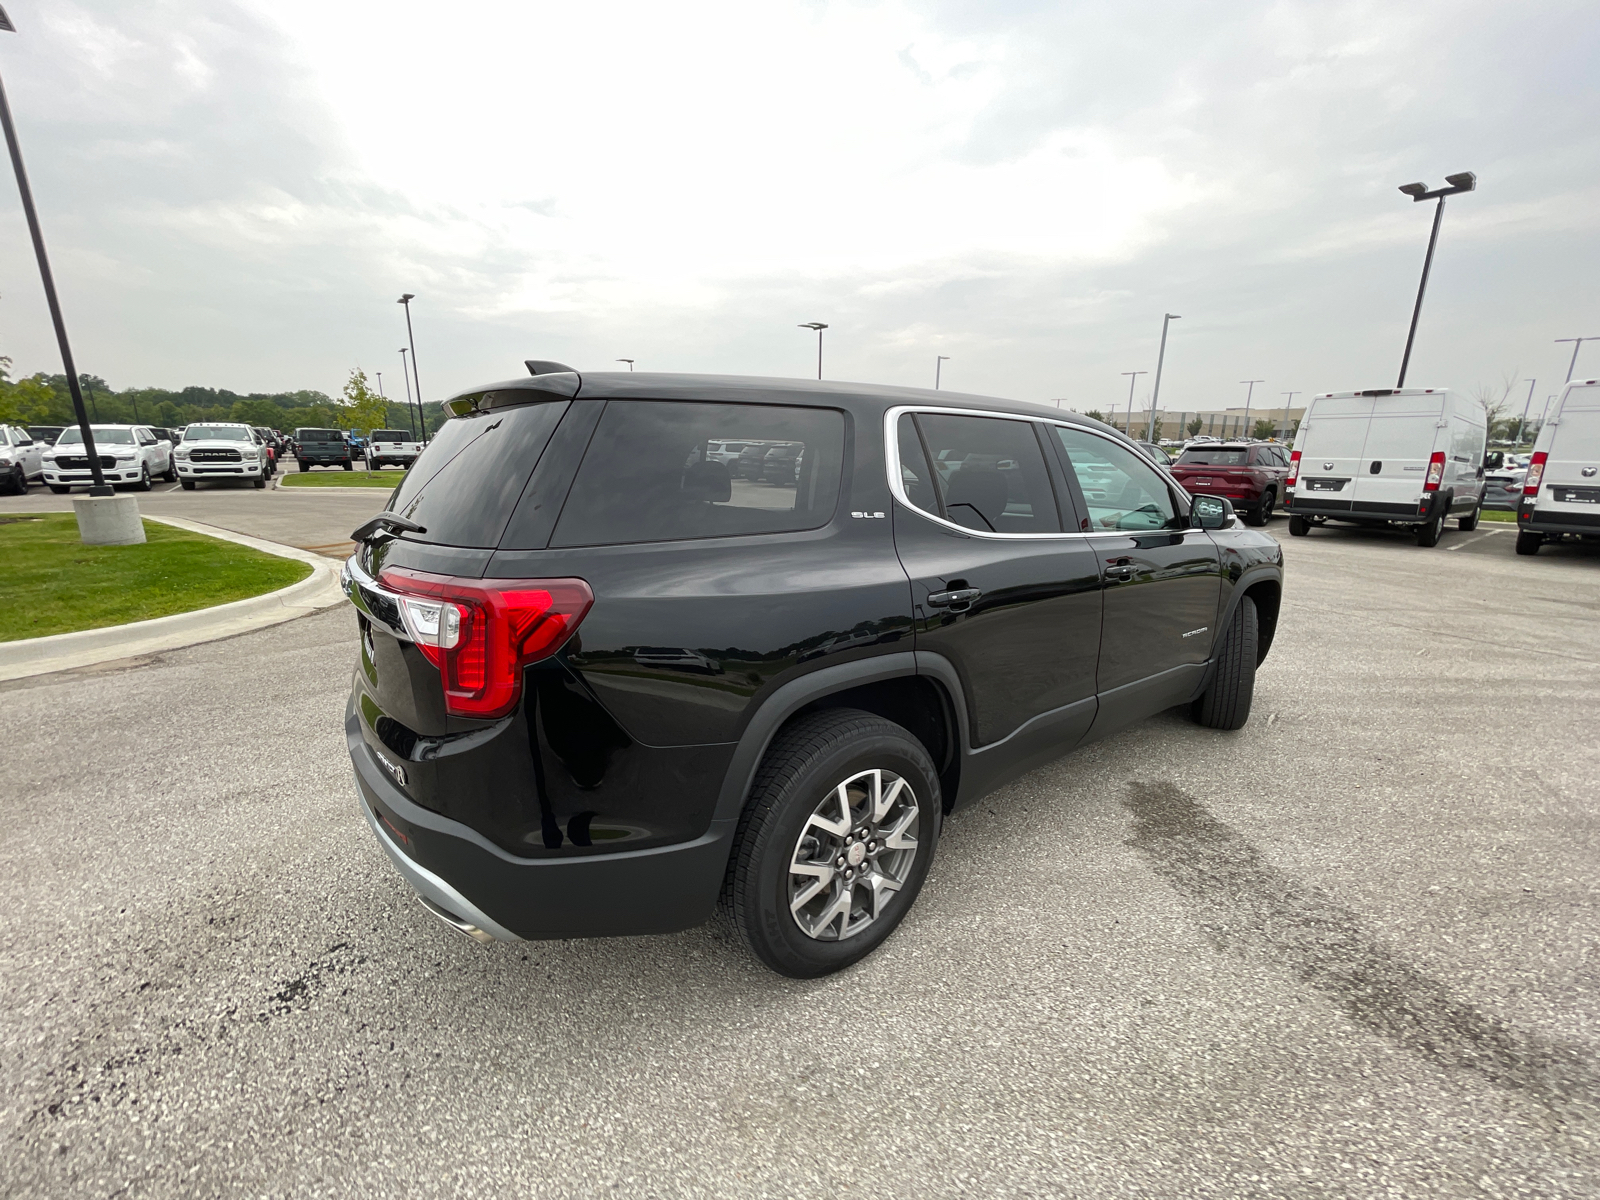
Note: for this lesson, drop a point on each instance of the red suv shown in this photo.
(1250, 474)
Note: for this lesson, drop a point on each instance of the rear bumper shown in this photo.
(660, 890)
(1359, 510)
(1531, 520)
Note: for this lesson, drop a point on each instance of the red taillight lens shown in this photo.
(1294, 469)
(481, 633)
(1530, 481)
(1435, 472)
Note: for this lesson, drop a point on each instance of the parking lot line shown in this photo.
(1482, 534)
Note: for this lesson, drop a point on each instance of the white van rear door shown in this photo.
(1333, 434)
(1400, 440)
(1574, 449)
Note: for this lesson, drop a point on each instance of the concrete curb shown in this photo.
(65, 651)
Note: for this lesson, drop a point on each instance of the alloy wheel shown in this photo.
(855, 852)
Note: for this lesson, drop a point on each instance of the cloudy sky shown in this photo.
(235, 193)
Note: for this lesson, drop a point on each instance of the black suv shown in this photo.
(605, 681)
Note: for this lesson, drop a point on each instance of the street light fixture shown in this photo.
(1464, 181)
(1155, 396)
(1131, 382)
(99, 487)
(938, 366)
(1247, 395)
(819, 327)
(629, 361)
(422, 418)
(1579, 346)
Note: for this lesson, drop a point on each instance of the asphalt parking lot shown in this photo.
(1349, 951)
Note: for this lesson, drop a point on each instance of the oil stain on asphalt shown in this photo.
(1243, 904)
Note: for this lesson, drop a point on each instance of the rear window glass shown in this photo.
(390, 435)
(464, 485)
(651, 473)
(1213, 458)
(318, 435)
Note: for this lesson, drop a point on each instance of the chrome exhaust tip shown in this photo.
(455, 922)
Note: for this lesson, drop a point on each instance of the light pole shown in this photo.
(1465, 181)
(422, 418)
(1522, 426)
(1578, 346)
(1247, 395)
(938, 365)
(407, 379)
(379, 374)
(819, 327)
(1155, 396)
(1131, 382)
(99, 487)
(1288, 397)
(629, 361)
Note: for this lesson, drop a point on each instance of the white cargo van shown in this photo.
(1561, 492)
(1409, 457)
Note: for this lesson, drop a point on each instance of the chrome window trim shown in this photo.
(891, 447)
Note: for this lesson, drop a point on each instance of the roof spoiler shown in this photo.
(538, 366)
(548, 378)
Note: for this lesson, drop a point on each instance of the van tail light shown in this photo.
(1530, 481)
(1435, 472)
(1294, 469)
(481, 633)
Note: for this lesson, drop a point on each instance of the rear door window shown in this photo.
(990, 473)
(464, 485)
(650, 474)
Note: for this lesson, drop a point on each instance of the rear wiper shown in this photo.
(386, 521)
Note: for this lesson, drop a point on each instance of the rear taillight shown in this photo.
(1294, 469)
(481, 633)
(1530, 481)
(1435, 472)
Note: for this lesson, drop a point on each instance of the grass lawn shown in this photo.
(1495, 514)
(383, 479)
(53, 583)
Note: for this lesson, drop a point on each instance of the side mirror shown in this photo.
(1210, 512)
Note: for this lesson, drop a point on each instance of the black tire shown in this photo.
(186, 484)
(1429, 533)
(806, 761)
(348, 465)
(260, 481)
(144, 479)
(305, 466)
(18, 483)
(1299, 527)
(59, 489)
(1529, 543)
(1470, 522)
(1226, 703)
(1260, 513)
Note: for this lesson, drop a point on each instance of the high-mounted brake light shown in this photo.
(1530, 481)
(1435, 472)
(1294, 469)
(481, 633)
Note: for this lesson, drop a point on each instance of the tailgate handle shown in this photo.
(958, 600)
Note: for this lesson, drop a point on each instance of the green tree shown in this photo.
(364, 410)
(1155, 431)
(1265, 428)
(256, 412)
(1195, 426)
(1094, 414)
(28, 401)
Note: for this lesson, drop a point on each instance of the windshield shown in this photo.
(216, 433)
(1213, 458)
(390, 435)
(102, 436)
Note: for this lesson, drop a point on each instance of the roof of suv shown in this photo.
(644, 385)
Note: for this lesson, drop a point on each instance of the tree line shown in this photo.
(43, 399)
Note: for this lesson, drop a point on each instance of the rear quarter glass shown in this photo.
(462, 488)
(648, 474)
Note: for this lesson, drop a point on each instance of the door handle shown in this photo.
(1120, 569)
(957, 601)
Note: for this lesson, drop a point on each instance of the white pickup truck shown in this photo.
(387, 446)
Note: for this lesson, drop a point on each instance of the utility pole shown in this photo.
(1522, 426)
(407, 379)
(1288, 398)
(938, 363)
(100, 487)
(819, 327)
(1465, 181)
(1131, 382)
(1155, 396)
(422, 417)
(1247, 395)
